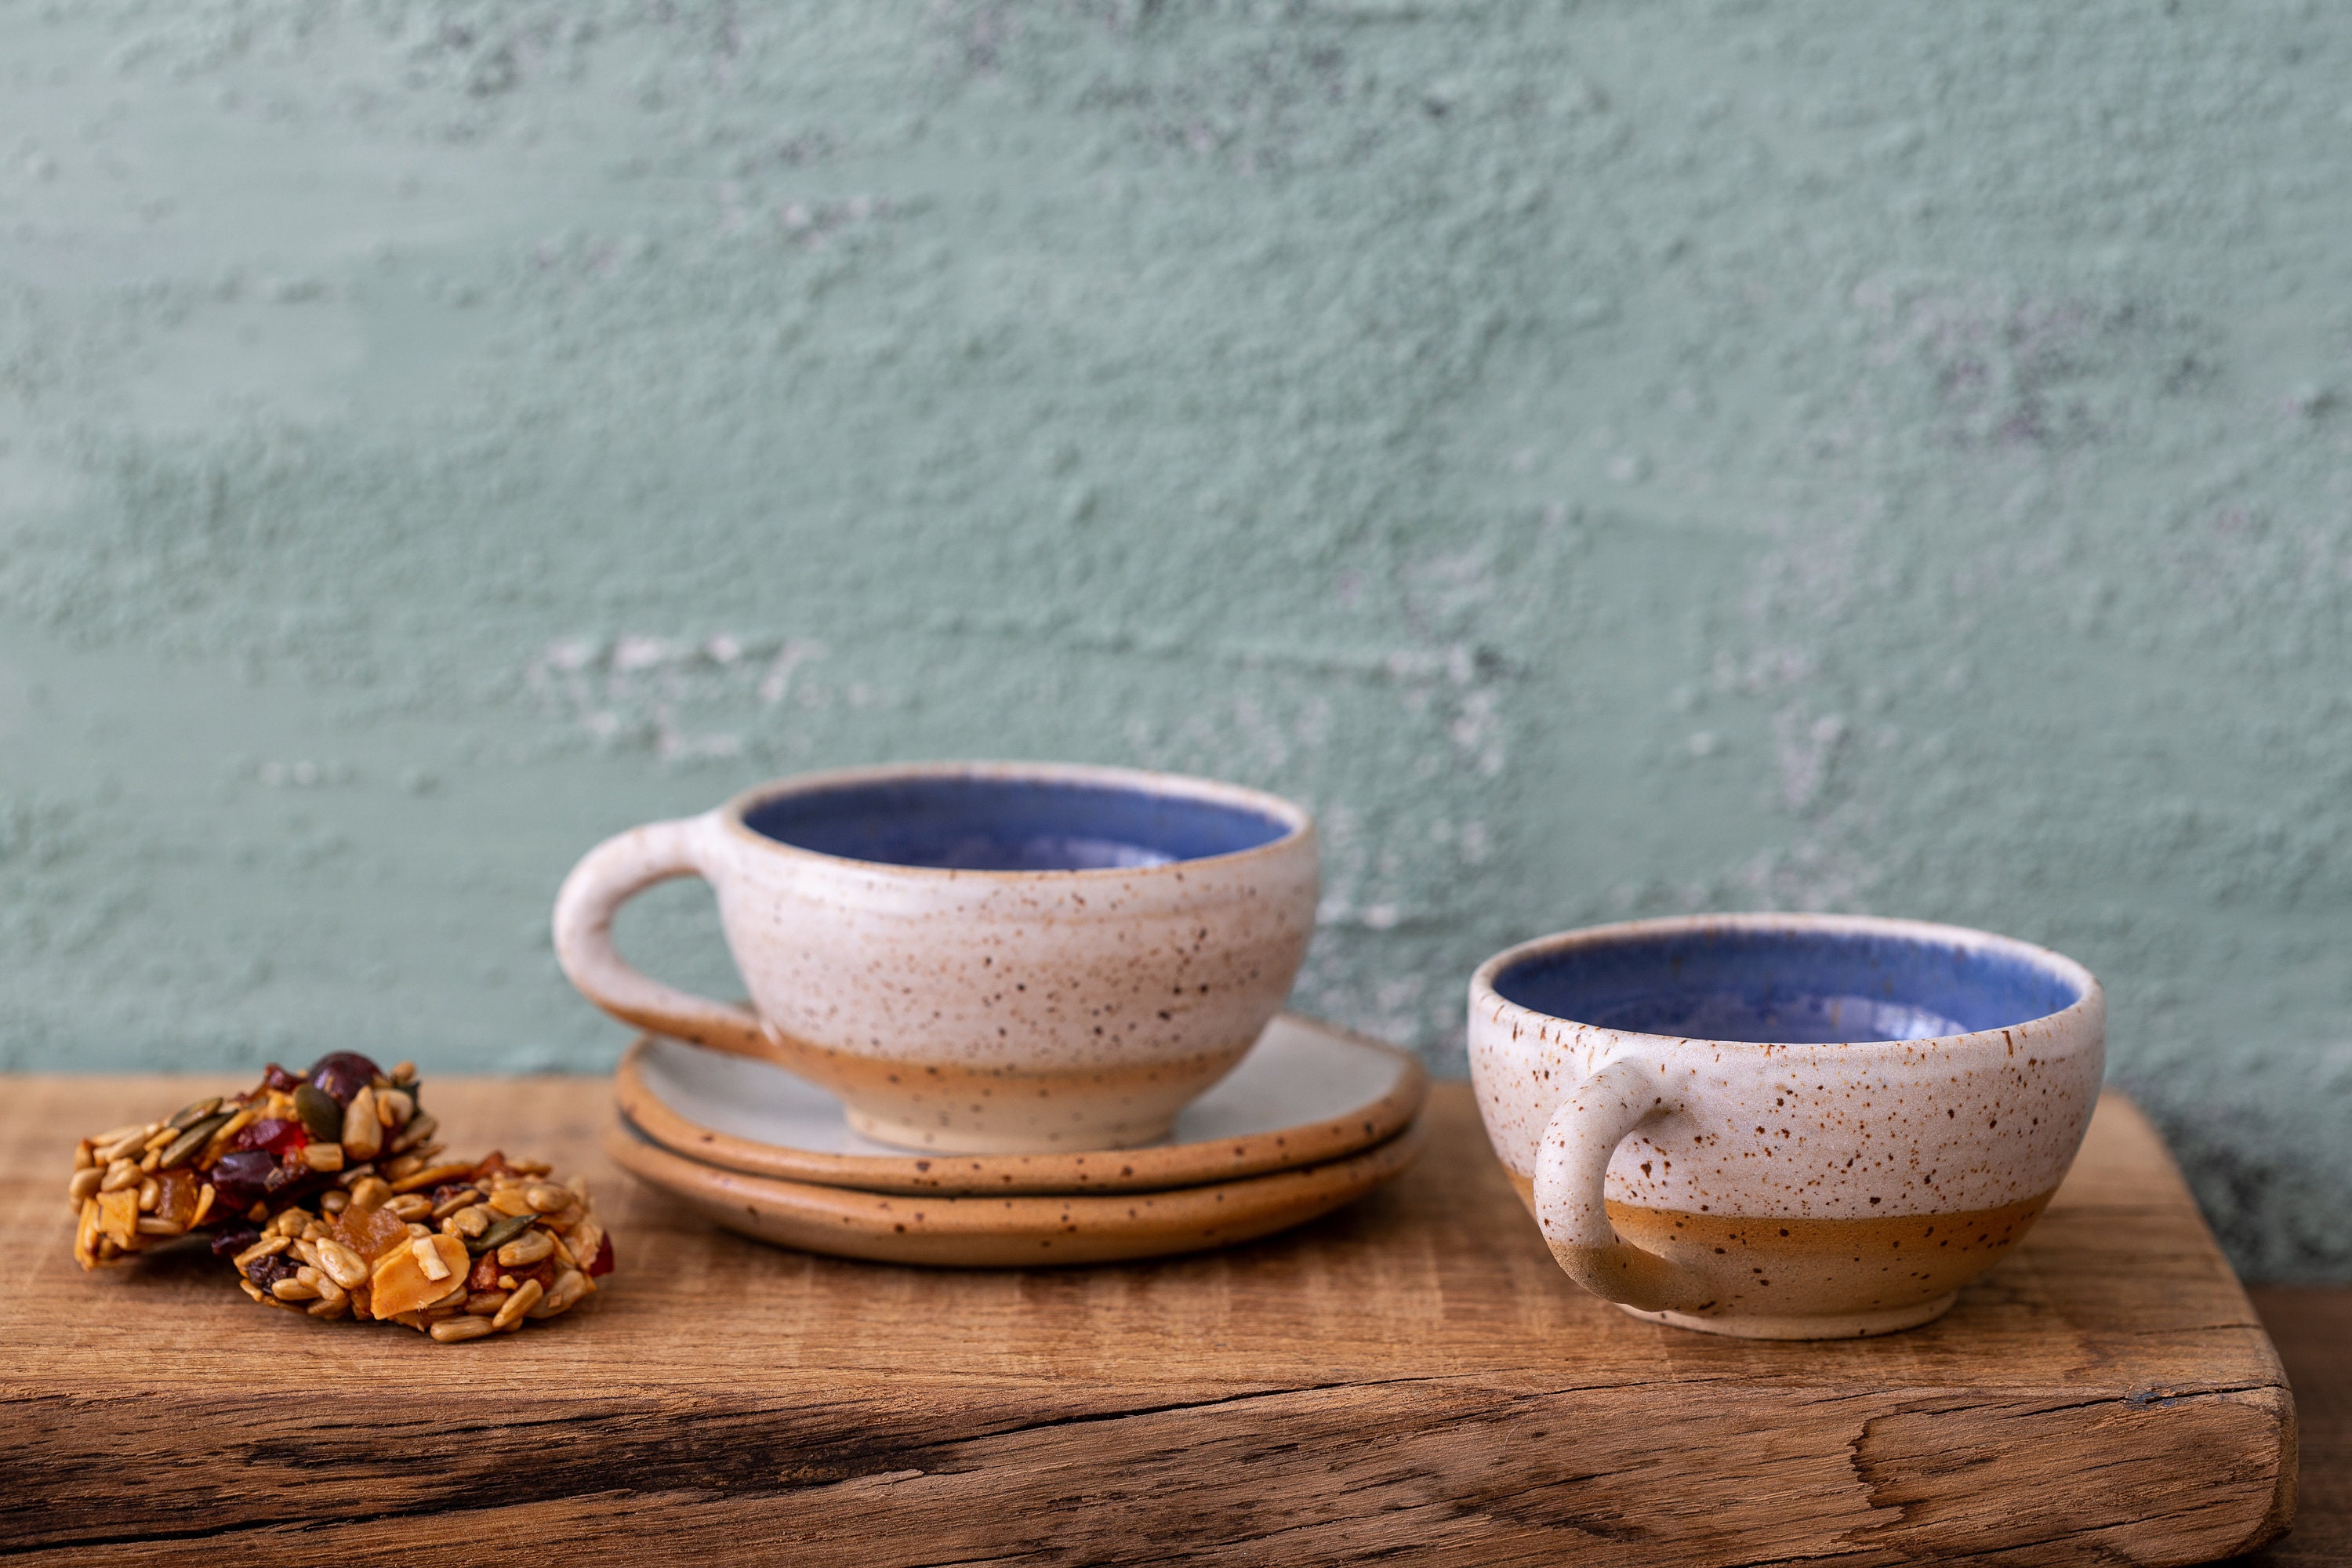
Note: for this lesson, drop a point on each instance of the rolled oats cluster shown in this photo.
(330, 1197)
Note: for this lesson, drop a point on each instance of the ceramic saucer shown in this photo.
(1306, 1093)
(990, 1231)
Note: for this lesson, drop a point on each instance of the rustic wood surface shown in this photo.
(2312, 1326)
(1411, 1377)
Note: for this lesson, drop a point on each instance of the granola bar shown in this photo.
(330, 1199)
(221, 1160)
(464, 1251)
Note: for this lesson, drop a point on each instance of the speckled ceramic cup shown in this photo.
(977, 958)
(1784, 1126)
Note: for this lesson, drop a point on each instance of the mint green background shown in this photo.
(1609, 460)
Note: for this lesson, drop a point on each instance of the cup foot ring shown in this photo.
(1811, 1326)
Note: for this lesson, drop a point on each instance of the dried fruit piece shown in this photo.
(176, 1195)
(342, 1074)
(243, 1176)
(279, 1135)
(370, 1232)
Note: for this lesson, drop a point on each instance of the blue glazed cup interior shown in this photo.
(1791, 984)
(993, 822)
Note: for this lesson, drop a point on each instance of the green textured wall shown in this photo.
(1609, 460)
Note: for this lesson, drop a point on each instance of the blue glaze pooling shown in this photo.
(978, 823)
(1791, 987)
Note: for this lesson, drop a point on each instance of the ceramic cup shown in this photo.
(1784, 1126)
(977, 958)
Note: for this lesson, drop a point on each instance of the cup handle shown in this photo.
(1572, 1167)
(608, 876)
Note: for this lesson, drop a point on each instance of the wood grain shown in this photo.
(2312, 1326)
(1411, 1378)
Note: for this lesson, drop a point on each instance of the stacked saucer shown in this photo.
(1313, 1119)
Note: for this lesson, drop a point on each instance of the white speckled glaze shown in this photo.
(969, 1011)
(1770, 1190)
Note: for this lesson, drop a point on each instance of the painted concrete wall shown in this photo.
(1609, 460)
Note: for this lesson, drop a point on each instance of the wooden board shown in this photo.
(1411, 1377)
(2312, 1326)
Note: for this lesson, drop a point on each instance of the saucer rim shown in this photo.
(996, 1231)
(1160, 1168)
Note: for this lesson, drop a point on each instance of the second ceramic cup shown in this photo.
(978, 958)
(1784, 1126)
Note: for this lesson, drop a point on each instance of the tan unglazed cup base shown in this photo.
(1834, 1326)
(1830, 1279)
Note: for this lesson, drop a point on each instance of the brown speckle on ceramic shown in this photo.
(971, 1011)
(1784, 1191)
(979, 1231)
(1306, 1093)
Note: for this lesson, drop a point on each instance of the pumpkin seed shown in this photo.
(192, 1138)
(191, 1114)
(498, 1235)
(320, 1113)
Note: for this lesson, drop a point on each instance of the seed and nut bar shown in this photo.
(328, 1196)
(221, 1161)
(466, 1252)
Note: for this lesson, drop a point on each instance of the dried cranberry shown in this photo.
(235, 1239)
(343, 1074)
(484, 1276)
(270, 1132)
(292, 1180)
(603, 1262)
(241, 1176)
(278, 1077)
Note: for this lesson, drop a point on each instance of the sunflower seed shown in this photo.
(526, 1249)
(363, 1133)
(525, 1297)
(570, 1286)
(341, 1264)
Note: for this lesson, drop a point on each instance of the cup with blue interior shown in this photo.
(1784, 1126)
(976, 957)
